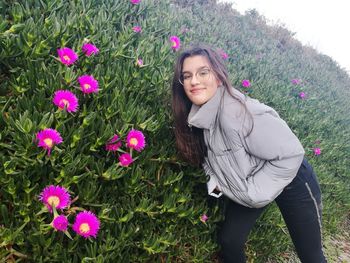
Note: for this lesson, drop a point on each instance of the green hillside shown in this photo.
(150, 210)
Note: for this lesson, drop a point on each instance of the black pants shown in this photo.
(300, 205)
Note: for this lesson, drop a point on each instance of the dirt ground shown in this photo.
(338, 249)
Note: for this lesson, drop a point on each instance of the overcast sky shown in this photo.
(322, 24)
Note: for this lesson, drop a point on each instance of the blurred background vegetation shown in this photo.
(149, 211)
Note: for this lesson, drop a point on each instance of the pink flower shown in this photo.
(175, 42)
(137, 29)
(86, 224)
(90, 49)
(113, 144)
(302, 95)
(245, 83)
(135, 140)
(223, 54)
(60, 223)
(139, 62)
(204, 218)
(317, 151)
(57, 196)
(67, 55)
(88, 84)
(296, 81)
(135, 2)
(64, 99)
(125, 159)
(47, 139)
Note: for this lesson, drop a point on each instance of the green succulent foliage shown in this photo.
(149, 211)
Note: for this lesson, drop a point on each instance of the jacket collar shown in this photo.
(203, 116)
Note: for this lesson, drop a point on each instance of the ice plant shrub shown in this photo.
(47, 139)
(246, 83)
(113, 144)
(302, 95)
(136, 29)
(141, 205)
(65, 99)
(90, 49)
(136, 140)
(125, 159)
(317, 151)
(57, 196)
(67, 56)
(60, 223)
(175, 42)
(86, 224)
(204, 218)
(88, 84)
(135, 2)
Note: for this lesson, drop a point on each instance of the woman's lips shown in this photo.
(195, 91)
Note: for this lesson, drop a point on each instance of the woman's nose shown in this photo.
(194, 80)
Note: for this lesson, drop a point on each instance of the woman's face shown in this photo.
(198, 79)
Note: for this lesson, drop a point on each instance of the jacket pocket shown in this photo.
(234, 167)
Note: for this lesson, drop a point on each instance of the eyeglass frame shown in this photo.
(182, 82)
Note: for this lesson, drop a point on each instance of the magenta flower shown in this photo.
(60, 223)
(57, 196)
(136, 140)
(246, 83)
(64, 99)
(204, 218)
(88, 84)
(86, 224)
(47, 139)
(296, 81)
(125, 159)
(135, 2)
(175, 42)
(136, 29)
(139, 62)
(302, 95)
(317, 151)
(113, 144)
(223, 54)
(90, 49)
(67, 55)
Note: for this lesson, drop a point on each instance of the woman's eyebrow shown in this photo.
(203, 67)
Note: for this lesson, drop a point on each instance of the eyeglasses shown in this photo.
(202, 75)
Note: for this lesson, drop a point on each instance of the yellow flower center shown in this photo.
(53, 201)
(48, 142)
(84, 228)
(174, 43)
(65, 102)
(133, 141)
(66, 58)
(87, 86)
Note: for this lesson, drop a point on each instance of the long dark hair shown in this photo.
(189, 140)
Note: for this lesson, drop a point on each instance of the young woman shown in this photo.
(248, 152)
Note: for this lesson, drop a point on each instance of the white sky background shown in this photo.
(322, 24)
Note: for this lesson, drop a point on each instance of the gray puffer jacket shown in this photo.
(251, 170)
